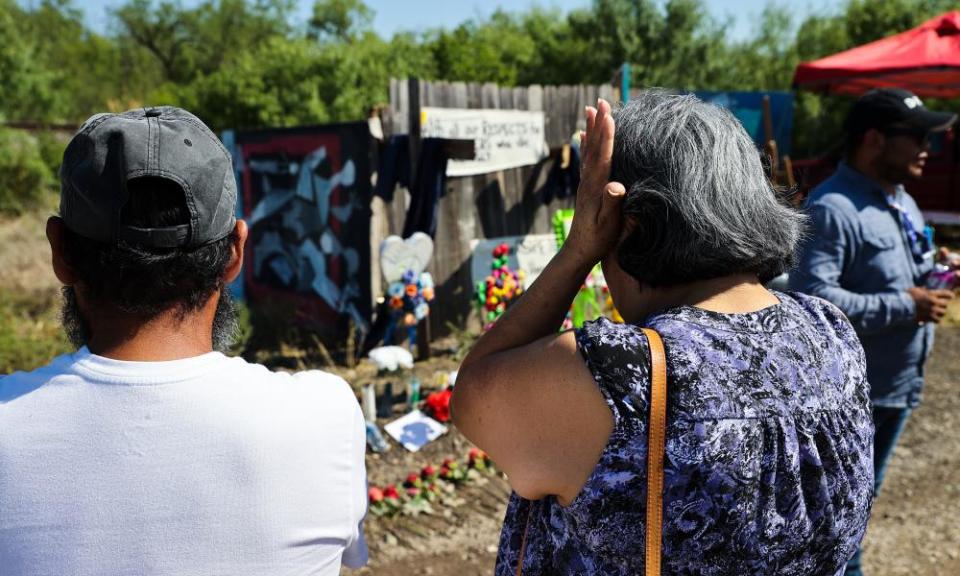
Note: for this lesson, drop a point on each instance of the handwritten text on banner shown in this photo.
(503, 139)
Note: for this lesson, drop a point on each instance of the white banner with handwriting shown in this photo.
(503, 139)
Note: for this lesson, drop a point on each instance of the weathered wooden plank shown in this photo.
(490, 96)
(490, 205)
(460, 96)
(535, 97)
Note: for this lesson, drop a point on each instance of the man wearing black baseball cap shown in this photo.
(147, 451)
(868, 254)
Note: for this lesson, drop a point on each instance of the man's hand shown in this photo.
(951, 259)
(596, 219)
(931, 304)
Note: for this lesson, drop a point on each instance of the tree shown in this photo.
(340, 20)
(27, 89)
(191, 42)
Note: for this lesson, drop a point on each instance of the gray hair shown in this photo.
(698, 195)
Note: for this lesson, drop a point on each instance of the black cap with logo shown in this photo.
(163, 142)
(893, 108)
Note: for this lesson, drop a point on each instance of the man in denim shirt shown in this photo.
(867, 254)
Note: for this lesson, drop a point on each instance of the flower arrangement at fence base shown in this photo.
(409, 303)
(495, 292)
(431, 485)
(403, 263)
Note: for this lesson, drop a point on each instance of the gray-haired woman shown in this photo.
(768, 452)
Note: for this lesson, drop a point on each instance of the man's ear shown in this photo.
(236, 256)
(57, 236)
(873, 140)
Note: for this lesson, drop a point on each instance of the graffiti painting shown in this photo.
(306, 199)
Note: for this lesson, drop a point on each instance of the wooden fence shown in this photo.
(503, 203)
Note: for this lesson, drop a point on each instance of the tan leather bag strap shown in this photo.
(656, 447)
(523, 540)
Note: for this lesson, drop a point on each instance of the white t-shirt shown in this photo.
(201, 466)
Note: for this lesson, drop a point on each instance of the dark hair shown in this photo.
(698, 195)
(145, 281)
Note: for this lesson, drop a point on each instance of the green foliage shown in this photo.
(51, 146)
(247, 63)
(24, 175)
(339, 20)
(492, 51)
(190, 42)
(26, 87)
(273, 85)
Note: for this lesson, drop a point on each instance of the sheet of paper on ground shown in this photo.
(415, 430)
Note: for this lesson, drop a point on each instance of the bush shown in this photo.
(52, 145)
(25, 177)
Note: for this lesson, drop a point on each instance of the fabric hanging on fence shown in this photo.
(428, 187)
(562, 181)
(394, 167)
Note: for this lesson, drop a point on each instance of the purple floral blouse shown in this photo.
(769, 450)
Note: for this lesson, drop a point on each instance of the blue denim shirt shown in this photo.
(858, 257)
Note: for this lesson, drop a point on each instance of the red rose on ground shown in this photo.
(412, 478)
(474, 453)
(375, 494)
(428, 471)
(438, 404)
(391, 492)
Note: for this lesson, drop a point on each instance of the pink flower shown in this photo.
(375, 494)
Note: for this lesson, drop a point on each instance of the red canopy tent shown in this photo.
(924, 60)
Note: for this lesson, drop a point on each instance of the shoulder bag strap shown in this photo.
(523, 539)
(656, 446)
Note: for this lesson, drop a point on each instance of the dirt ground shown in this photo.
(914, 529)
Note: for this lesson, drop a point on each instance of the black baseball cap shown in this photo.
(109, 150)
(888, 108)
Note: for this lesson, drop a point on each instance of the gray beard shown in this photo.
(225, 325)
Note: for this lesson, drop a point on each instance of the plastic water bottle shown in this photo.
(414, 393)
(375, 439)
(369, 403)
(942, 277)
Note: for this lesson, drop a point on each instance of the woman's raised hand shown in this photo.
(596, 222)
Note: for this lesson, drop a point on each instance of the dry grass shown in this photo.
(25, 255)
(952, 318)
(30, 333)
